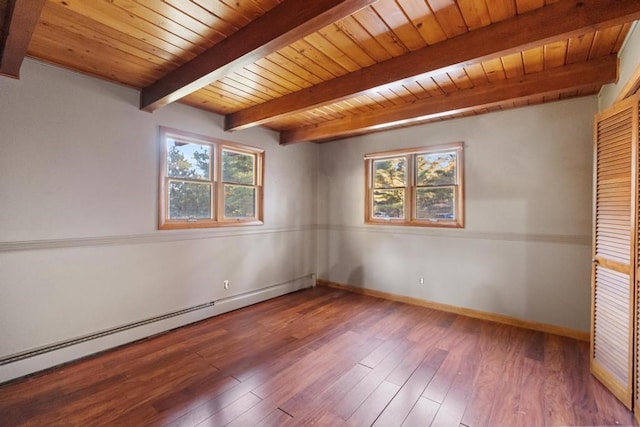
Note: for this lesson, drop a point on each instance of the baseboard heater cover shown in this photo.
(67, 343)
(225, 304)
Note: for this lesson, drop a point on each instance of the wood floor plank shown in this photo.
(559, 410)
(373, 405)
(361, 391)
(491, 357)
(306, 411)
(422, 413)
(315, 368)
(408, 396)
(506, 409)
(324, 357)
(458, 395)
(275, 419)
(229, 413)
(531, 410)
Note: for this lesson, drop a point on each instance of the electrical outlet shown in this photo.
(421, 280)
(226, 284)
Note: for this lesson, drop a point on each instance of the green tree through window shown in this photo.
(420, 186)
(206, 182)
(389, 193)
(238, 173)
(189, 198)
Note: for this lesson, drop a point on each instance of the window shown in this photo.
(205, 182)
(418, 186)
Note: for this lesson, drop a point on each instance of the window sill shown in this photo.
(402, 223)
(207, 224)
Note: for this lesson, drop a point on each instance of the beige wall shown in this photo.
(79, 249)
(525, 250)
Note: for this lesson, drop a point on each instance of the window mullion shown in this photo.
(411, 184)
(219, 185)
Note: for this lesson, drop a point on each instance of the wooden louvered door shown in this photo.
(614, 250)
(635, 130)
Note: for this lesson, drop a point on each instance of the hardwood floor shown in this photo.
(325, 357)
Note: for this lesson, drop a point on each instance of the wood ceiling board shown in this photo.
(579, 48)
(226, 97)
(93, 56)
(499, 10)
(423, 20)
(403, 94)
(494, 70)
(283, 71)
(334, 35)
(596, 72)
(352, 28)
(460, 79)
(126, 24)
(476, 73)
(20, 18)
(136, 21)
(212, 99)
(288, 21)
(605, 41)
(555, 54)
(171, 20)
(533, 60)
(476, 13)
(449, 16)
(219, 25)
(251, 95)
(394, 17)
(56, 15)
(430, 86)
(378, 29)
(416, 89)
(315, 55)
(231, 18)
(622, 36)
(196, 100)
(329, 50)
(315, 71)
(255, 85)
(549, 24)
(86, 64)
(444, 83)
(513, 65)
(381, 100)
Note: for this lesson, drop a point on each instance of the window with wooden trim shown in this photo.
(417, 186)
(206, 182)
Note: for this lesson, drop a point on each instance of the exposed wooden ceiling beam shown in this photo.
(21, 17)
(289, 21)
(558, 21)
(595, 72)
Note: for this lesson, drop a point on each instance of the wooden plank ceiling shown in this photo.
(326, 69)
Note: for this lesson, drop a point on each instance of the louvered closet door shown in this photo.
(614, 260)
(635, 101)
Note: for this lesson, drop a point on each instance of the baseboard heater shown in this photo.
(74, 341)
